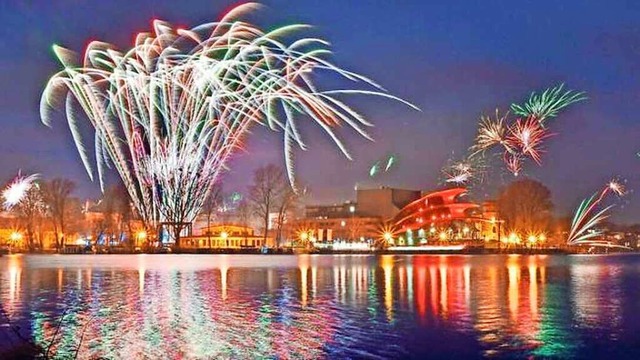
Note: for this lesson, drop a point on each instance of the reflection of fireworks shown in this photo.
(587, 216)
(169, 112)
(13, 194)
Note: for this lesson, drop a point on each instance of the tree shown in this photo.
(213, 203)
(30, 210)
(56, 194)
(269, 193)
(243, 212)
(525, 206)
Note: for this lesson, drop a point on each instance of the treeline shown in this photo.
(50, 210)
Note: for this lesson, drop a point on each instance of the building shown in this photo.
(226, 236)
(384, 202)
(404, 217)
(438, 216)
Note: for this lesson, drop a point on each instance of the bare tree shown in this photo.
(30, 211)
(212, 204)
(243, 212)
(56, 194)
(285, 202)
(526, 206)
(266, 193)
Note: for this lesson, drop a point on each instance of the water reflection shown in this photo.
(318, 306)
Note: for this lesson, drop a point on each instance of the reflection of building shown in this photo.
(226, 237)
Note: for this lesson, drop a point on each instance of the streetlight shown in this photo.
(141, 235)
(388, 237)
(15, 237)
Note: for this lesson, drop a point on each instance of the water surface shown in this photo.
(323, 306)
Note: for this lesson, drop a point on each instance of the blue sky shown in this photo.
(455, 60)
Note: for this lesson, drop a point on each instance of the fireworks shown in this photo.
(491, 132)
(17, 189)
(376, 168)
(546, 105)
(169, 112)
(588, 215)
(523, 138)
(526, 136)
(458, 173)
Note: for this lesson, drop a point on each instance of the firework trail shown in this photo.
(169, 112)
(523, 138)
(588, 215)
(376, 168)
(17, 189)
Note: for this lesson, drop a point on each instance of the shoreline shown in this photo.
(278, 252)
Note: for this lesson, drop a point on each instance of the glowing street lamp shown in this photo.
(443, 235)
(224, 235)
(15, 236)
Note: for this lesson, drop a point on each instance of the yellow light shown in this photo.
(15, 236)
(388, 236)
(304, 236)
(142, 235)
(542, 237)
(465, 230)
(532, 239)
(224, 235)
(432, 230)
(443, 236)
(513, 237)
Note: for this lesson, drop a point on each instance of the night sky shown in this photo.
(454, 60)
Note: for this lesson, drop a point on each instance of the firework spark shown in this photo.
(523, 138)
(589, 215)
(491, 132)
(513, 162)
(17, 189)
(458, 173)
(169, 112)
(390, 162)
(548, 103)
(527, 135)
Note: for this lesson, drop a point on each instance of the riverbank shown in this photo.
(293, 251)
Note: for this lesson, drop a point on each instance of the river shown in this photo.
(321, 306)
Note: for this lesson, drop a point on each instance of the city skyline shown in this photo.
(453, 69)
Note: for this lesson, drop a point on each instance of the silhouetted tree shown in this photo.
(31, 211)
(525, 206)
(56, 194)
(270, 193)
